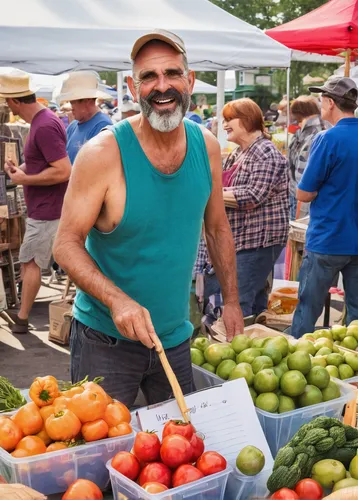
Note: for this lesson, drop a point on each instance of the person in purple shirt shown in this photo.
(44, 176)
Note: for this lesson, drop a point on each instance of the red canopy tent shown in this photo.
(331, 29)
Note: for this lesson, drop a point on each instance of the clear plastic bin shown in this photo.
(352, 380)
(208, 488)
(53, 472)
(241, 487)
(280, 428)
(203, 379)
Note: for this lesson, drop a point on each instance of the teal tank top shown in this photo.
(151, 253)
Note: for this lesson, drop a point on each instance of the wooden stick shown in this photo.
(347, 66)
(178, 393)
(67, 288)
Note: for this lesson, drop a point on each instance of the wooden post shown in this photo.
(347, 66)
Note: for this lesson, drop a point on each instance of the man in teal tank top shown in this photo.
(130, 230)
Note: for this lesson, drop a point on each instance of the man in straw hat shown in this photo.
(44, 176)
(330, 183)
(80, 88)
(130, 230)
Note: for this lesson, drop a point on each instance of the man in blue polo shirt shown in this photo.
(330, 183)
(80, 88)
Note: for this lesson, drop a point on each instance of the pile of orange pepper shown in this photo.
(56, 420)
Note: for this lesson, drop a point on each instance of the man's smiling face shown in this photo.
(162, 85)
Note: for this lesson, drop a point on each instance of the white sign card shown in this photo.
(225, 414)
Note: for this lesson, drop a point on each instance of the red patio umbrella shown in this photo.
(331, 29)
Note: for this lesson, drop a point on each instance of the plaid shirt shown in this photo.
(299, 150)
(260, 186)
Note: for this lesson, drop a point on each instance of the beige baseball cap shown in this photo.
(165, 36)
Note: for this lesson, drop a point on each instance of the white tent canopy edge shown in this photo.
(52, 37)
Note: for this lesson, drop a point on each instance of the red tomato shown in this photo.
(155, 472)
(83, 489)
(175, 451)
(178, 427)
(309, 489)
(186, 474)
(197, 446)
(211, 462)
(147, 447)
(285, 494)
(127, 464)
(154, 487)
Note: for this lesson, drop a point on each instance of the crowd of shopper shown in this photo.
(260, 188)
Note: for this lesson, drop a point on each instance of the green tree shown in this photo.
(291, 9)
(260, 13)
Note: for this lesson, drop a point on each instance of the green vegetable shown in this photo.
(301, 460)
(66, 386)
(350, 432)
(323, 438)
(284, 477)
(339, 435)
(10, 398)
(310, 450)
(345, 455)
(285, 456)
(314, 435)
(300, 434)
(306, 470)
(325, 422)
(351, 444)
(324, 445)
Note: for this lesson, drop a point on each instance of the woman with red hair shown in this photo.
(255, 190)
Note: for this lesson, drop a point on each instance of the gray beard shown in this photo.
(165, 121)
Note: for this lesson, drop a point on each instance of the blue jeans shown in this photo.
(127, 366)
(317, 274)
(253, 269)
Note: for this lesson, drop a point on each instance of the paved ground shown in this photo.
(24, 357)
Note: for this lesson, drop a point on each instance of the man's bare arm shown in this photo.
(305, 196)
(86, 193)
(220, 242)
(60, 171)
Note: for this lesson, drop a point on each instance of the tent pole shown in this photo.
(220, 101)
(119, 93)
(347, 67)
(288, 104)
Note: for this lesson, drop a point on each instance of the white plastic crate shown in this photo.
(209, 488)
(241, 487)
(53, 472)
(279, 428)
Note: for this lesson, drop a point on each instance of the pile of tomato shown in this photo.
(56, 420)
(177, 460)
(306, 489)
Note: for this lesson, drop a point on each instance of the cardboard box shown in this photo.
(60, 320)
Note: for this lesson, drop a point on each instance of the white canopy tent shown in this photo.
(297, 55)
(52, 36)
